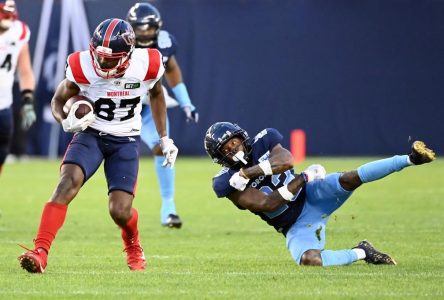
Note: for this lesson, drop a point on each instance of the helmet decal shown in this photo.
(109, 31)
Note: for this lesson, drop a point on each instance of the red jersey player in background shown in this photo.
(14, 55)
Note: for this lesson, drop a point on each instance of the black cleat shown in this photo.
(421, 154)
(173, 221)
(373, 256)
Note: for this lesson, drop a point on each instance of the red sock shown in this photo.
(130, 230)
(52, 219)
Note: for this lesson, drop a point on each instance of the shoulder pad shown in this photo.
(164, 40)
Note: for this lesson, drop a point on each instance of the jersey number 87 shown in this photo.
(104, 108)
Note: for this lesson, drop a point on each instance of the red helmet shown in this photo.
(8, 13)
(111, 47)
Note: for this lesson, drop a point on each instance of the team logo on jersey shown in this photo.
(131, 86)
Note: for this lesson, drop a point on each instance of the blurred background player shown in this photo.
(147, 23)
(258, 175)
(14, 55)
(114, 76)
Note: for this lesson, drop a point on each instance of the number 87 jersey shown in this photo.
(117, 101)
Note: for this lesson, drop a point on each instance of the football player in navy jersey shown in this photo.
(258, 176)
(147, 24)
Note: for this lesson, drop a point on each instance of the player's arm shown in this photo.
(64, 91)
(24, 69)
(27, 85)
(280, 161)
(158, 108)
(257, 201)
(173, 73)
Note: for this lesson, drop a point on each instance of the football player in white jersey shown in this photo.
(114, 76)
(147, 23)
(14, 55)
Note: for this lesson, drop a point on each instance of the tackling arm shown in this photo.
(64, 91)
(257, 201)
(280, 161)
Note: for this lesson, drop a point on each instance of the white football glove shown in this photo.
(314, 172)
(72, 124)
(238, 182)
(169, 150)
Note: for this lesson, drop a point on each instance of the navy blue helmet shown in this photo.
(111, 46)
(146, 22)
(217, 135)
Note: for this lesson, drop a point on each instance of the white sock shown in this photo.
(359, 252)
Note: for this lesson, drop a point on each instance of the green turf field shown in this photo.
(222, 252)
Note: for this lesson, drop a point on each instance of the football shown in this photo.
(82, 110)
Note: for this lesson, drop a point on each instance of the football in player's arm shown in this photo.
(258, 175)
(114, 76)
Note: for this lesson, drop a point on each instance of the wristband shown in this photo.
(27, 96)
(242, 174)
(181, 93)
(266, 167)
(285, 193)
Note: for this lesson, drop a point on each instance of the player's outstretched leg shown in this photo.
(375, 170)
(166, 178)
(374, 256)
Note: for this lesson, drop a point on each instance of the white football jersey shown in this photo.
(11, 43)
(117, 101)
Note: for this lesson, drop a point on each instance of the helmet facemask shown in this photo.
(235, 158)
(121, 61)
(146, 34)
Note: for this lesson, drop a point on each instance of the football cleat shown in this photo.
(374, 256)
(420, 154)
(134, 255)
(34, 261)
(173, 221)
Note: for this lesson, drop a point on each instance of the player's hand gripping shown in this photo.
(191, 114)
(72, 124)
(314, 172)
(169, 150)
(238, 182)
